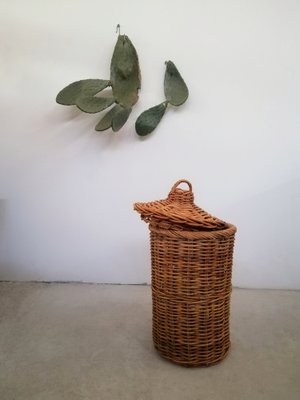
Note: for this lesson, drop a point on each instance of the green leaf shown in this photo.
(93, 105)
(106, 121)
(125, 73)
(86, 87)
(120, 118)
(149, 119)
(176, 91)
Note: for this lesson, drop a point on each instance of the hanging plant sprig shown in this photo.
(176, 93)
(125, 81)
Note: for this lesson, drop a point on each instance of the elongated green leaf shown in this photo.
(176, 91)
(125, 72)
(86, 87)
(120, 118)
(106, 121)
(149, 119)
(93, 105)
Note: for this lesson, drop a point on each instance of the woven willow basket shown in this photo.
(191, 256)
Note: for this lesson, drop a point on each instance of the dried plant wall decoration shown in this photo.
(176, 93)
(121, 91)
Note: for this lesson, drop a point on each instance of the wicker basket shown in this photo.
(191, 254)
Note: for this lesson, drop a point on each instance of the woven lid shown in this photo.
(179, 208)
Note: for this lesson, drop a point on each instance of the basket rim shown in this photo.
(229, 231)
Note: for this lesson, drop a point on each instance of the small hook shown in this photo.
(118, 30)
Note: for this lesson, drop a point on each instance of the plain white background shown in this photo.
(67, 192)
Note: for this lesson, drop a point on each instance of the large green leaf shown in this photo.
(93, 105)
(120, 118)
(125, 73)
(149, 119)
(176, 91)
(106, 121)
(85, 87)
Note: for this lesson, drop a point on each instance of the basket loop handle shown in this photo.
(179, 182)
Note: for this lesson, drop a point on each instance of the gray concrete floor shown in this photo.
(90, 342)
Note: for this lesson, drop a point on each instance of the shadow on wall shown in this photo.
(267, 251)
(3, 214)
(75, 131)
(37, 248)
(9, 244)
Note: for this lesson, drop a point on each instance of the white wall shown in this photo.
(67, 192)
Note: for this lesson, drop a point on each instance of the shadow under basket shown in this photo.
(191, 270)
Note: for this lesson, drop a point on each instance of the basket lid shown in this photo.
(179, 208)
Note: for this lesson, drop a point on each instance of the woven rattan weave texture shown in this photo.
(191, 287)
(179, 208)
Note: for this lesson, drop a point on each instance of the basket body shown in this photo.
(191, 288)
(191, 257)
